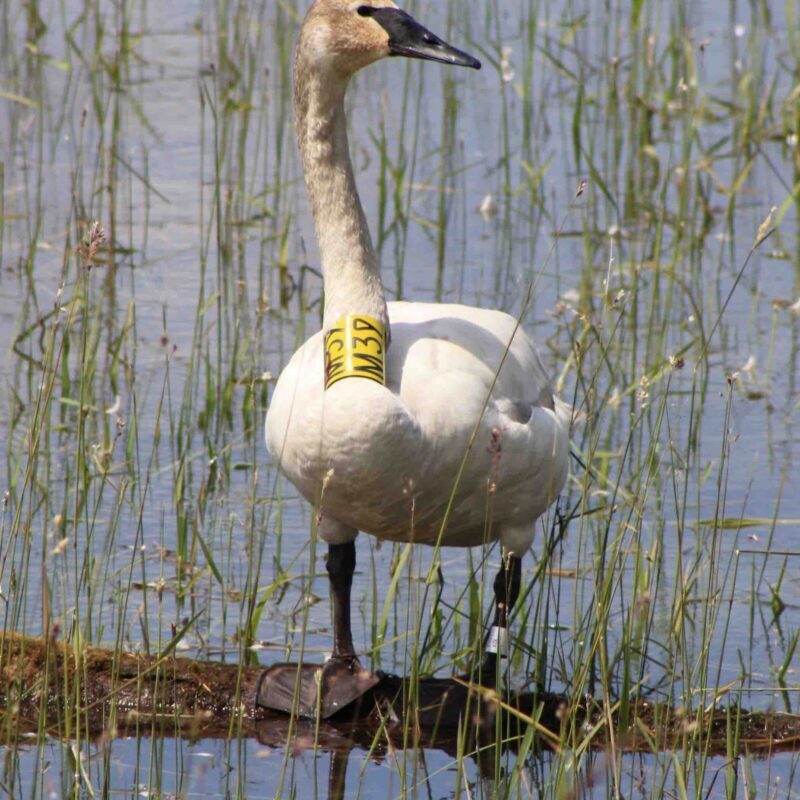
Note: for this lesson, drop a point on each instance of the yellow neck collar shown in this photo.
(355, 348)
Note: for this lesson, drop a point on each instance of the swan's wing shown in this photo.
(445, 363)
(480, 347)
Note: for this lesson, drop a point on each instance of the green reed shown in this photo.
(159, 524)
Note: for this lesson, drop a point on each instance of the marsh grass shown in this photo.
(139, 510)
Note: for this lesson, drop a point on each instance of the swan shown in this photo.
(372, 418)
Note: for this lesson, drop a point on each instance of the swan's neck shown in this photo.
(349, 264)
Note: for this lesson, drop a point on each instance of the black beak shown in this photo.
(408, 38)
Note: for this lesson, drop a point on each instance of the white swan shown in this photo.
(383, 455)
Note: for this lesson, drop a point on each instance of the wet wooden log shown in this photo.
(56, 687)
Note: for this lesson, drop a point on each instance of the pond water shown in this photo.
(139, 493)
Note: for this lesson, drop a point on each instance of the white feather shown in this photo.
(389, 457)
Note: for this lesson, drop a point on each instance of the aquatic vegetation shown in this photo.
(139, 509)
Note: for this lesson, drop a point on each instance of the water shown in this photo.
(209, 293)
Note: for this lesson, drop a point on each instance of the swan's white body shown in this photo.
(386, 459)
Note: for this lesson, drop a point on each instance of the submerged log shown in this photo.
(58, 688)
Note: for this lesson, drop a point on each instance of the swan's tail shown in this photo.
(566, 413)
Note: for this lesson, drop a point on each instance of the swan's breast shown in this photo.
(354, 444)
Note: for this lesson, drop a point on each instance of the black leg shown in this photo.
(341, 564)
(337, 773)
(326, 689)
(506, 591)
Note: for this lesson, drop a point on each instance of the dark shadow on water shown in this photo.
(452, 716)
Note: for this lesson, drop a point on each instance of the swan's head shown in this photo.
(346, 35)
